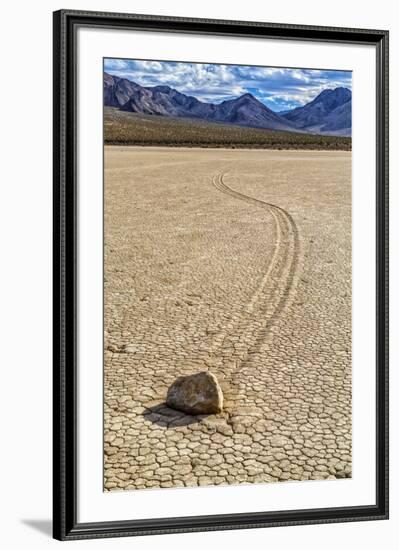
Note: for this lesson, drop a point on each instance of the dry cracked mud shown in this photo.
(239, 262)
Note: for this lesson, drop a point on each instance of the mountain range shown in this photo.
(328, 113)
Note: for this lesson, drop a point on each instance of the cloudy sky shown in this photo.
(277, 88)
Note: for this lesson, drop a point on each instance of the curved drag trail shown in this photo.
(276, 286)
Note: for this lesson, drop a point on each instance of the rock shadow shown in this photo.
(165, 416)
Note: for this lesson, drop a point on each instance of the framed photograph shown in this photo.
(220, 274)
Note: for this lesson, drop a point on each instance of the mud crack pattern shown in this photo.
(238, 262)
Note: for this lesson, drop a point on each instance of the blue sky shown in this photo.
(278, 88)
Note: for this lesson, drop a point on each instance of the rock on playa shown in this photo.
(198, 393)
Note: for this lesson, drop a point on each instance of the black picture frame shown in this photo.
(66, 526)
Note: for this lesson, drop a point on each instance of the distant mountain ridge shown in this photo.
(329, 113)
(245, 110)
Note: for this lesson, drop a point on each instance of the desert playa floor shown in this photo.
(237, 262)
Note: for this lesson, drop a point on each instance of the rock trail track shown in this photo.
(240, 266)
(274, 291)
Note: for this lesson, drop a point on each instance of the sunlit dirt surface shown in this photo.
(237, 262)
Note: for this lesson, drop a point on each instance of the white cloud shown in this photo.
(279, 88)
